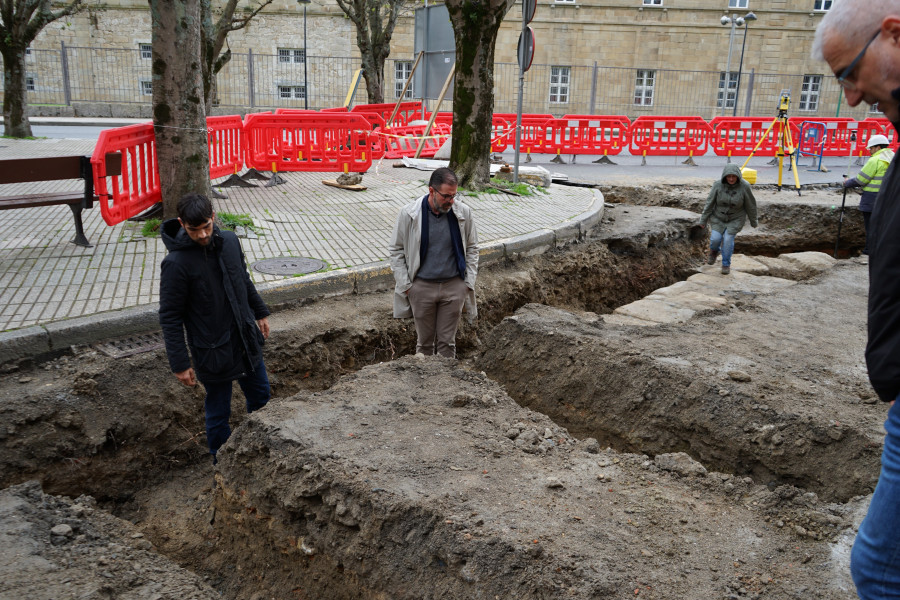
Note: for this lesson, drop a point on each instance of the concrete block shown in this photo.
(745, 264)
(810, 263)
(377, 277)
(567, 232)
(22, 343)
(616, 319)
(530, 244)
(315, 285)
(102, 326)
(491, 252)
(656, 311)
(696, 301)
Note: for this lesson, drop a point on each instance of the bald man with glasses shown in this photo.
(434, 257)
(860, 41)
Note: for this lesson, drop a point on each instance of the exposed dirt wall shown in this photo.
(773, 386)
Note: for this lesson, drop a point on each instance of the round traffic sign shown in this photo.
(528, 8)
(526, 48)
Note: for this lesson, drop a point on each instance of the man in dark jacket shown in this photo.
(205, 290)
(860, 40)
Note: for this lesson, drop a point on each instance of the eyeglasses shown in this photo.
(842, 78)
(447, 197)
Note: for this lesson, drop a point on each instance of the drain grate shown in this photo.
(288, 266)
(133, 344)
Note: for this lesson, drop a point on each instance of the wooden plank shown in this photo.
(24, 170)
(352, 188)
(34, 200)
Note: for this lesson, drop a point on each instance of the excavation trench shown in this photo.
(121, 430)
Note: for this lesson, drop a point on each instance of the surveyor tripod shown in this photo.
(784, 144)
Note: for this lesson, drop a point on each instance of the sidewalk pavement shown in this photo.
(54, 294)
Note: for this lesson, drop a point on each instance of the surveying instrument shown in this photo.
(784, 143)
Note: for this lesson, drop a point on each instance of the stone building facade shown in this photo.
(617, 57)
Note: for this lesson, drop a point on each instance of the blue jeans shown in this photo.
(218, 404)
(875, 558)
(726, 241)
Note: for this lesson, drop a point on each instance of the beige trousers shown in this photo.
(436, 309)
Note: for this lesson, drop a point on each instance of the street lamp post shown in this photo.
(305, 58)
(735, 21)
(737, 92)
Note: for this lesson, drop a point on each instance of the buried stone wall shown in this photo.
(771, 384)
(420, 479)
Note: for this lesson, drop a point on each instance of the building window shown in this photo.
(652, 2)
(292, 92)
(292, 55)
(643, 87)
(402, 73)
(727, 97)
(737, 3)
(809, 93)
(146, 51)
(29, 84)
(822, 5)
(559, 85)
(146, 87)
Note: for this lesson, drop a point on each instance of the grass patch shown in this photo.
(523, 189)
(150, 228)
(234, 220)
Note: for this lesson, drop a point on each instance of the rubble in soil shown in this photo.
(421, 479)
(53, 547)
(125, 432)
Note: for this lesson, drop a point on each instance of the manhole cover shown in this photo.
(133, 344)
(288, 266)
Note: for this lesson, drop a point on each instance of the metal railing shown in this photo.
(252, 82)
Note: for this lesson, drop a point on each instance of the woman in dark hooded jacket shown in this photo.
(729, 204)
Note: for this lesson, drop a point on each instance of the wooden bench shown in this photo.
(55, 168)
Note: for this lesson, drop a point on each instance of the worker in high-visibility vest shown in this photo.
(870, 176)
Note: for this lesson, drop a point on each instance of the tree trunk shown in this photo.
(475, 26)
(15, 115)
(373, 71)
(179, 111)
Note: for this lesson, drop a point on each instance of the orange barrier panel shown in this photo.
(887, 129)
(404, 141)
(225, 137)
(669, 136)
(839, 134)
(137, 188)
(588, 134)
(534, 131)
(321, 142)
(738, 136)
(407, 111)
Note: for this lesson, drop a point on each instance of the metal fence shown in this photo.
(252, 82)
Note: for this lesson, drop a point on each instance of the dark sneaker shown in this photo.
(726, 270)
(712, 258)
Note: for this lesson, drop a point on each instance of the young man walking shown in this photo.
(205, 290)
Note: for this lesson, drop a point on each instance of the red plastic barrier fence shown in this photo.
(407, 111)
(669, 136)
(839, 134)
(404, 141)
(225, 137)
(329, 142)
(534, 130)
(738, 136)
(137, 188)
(887, 129)
(376, 142)
(502, 131)
(588, 134)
